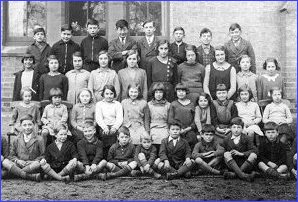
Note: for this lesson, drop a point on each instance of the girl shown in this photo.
(109, 117)
(77, 78)
(53, 79)
(246, 77)
(27, 77)
(103, 76)
(162, 69)
(177, 48)
(132, 74)
(220, 72)
(24, 108)
(237, 46)
(191, 73)
(159, 110)
(250, 113)
(82, 112)
(271, 78)
(202, 111)
(136, 113)
(279, 112)
(54, 114)
(60, 156)
(183, 111)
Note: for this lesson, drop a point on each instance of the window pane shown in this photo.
(80, 12)
(24, 16)
(138, 12)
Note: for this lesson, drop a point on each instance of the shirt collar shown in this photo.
(69, 42)
(54, 106)
(155, 102)
(235, 137)
(206, 47)
(242, 74)
(179, 44)
(103, 70)
(87, 105)
(170, 139)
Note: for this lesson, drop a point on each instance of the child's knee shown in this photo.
(133, 164)
(103, 162)
(282, 168)
(157, 161)
(111, 166)
(199, 160)
(252, 157)
(141, 156)
(295, 158)
(160, 165)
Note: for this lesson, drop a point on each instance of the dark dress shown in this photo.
(165, 73)
(219, 77)
(47, 82)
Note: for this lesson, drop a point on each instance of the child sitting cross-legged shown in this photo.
(121, 155)
(60, 156)
(272, 153)
(90, 150)
(208, 153)
(175, 154)
(240, 153)
(145, 156)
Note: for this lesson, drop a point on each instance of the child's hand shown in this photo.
(187, 162)
(142, 169)
(106, 131)
(43, 161)
(146, 167)
(236, 153)
(125, 52)
(167, 165)
(88, 170)
(21, 163)
(93, 167)
(113, 130)
(271, 164)
(209, 154)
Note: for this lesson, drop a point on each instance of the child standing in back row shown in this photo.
(177, 48)
(205, 52)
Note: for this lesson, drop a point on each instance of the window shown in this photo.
(77, 14)
(138, 12)
(22, 17)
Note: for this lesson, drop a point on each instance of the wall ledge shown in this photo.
(13, 51)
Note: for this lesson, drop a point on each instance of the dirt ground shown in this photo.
(198, 188)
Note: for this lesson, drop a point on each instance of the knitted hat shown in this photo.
(39, 29)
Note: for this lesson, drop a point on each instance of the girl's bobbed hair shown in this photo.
(132, 52)
(271, 60)
(206, 95)
(181, 86)
(109, 57)
(55, 92)
(89, 91)
(28, 55)
(109, 87)
(158, 86)
(161, 42)
(245, 87)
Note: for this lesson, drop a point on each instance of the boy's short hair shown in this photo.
(121, 24)
(124, 130)
(174, 123)
(109, 87)
(145, 136)
(158, 86)
(208, 128)
(271, 60)
(244, 56)
(270, 126)
(92, 21)
(61, 126)
(39, 29)
(221, 87)
(245, 87)
(66, 27)
(235, 26)
(55, 92)
(77, 54)
(149, 21)
(277, 89)
(178, 28)
(89, 124)
(28, 55)
(181, 86)
(237, 121)
(27, 117)
(205, 30)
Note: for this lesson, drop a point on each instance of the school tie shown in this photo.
(122, 41)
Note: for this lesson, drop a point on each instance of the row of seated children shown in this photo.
(139, 116)
(62, 161)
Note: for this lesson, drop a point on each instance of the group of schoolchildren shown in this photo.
(193, 124)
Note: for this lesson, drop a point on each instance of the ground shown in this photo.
(198, 188)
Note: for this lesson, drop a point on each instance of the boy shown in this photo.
(145, 156)
(92, 45)
(239, 150)
(64, 48)
(40, 50)
(272, 153)
(26, 152)
(121, 155)
(205, 52)
(175, 154)
(90, 151)
(294, 159)
(60, 156)
(147, 44)
(223, 111)
(4, 155)
(208, 154)
(177, 48)
(118, 48)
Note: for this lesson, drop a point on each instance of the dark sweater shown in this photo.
(178, 52)
(91, 46)
(118, 153)
(150, 154)
(46, 82)
(90, 152)
(202, 147)
(60, 158)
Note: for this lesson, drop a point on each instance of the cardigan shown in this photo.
(60, 158)
(278, 113)
(90, 152)
(266, 82)
(150, 154)
(80, 114)
(30, 151)
(19, 111)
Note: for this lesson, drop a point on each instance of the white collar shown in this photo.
(270, 78)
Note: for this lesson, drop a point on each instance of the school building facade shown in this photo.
(271, 27)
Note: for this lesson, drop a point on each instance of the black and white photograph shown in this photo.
(148, 100)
